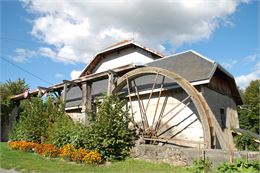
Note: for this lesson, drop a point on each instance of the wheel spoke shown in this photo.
(175, 125)
(183, 129)
(155, 81)
(158, 101)
(141, 107)
(160, 119)
(173, 117)
(130, 100)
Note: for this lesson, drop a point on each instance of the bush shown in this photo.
(246, 142)
(240, 166)
(66, 131)
(110, 134)
(35, 119)
(202, 165)
(8, 89)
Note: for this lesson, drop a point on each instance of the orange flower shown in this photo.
(79, 154)
(93, 157)
(50, 150)
(67, 151)
(47, 150)
(22, 145)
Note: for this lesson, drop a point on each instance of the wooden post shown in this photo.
(39, 92)
(86, 101)
(64, 96)
(110, 83)
(111, 80)
(89, 102)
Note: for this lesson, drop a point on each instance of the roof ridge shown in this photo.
(116, 44)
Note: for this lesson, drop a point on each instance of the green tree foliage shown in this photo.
(202, 166)
(249, 112)
(246, 142)
(110, 133)
(6, 90)
(239, 166)
(46, 121)
(12, 88)
(66, 131)
(249, 116)
(36, 117)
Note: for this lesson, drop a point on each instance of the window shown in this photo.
(223, 118)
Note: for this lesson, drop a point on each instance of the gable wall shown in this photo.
(216, 101)
(124, 57)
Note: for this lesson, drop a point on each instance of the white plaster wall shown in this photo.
(77, 116)
(185, 121)
(128, 56)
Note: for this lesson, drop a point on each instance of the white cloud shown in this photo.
(257, 65)
(78, 29)
(23, 55)
(47, 52)
(244, 80)
(59, 75)
(251, 58)
(230, 64)
(75, 74)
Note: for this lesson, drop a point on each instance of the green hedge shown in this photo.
(36, 117)
(46, 121)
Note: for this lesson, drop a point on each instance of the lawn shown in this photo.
(30, 162)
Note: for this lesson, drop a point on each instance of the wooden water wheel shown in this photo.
(165, 107)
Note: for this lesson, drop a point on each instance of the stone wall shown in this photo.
(185, 156)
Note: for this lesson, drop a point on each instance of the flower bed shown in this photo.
(22, 145)
(47, 150)
(68, 152)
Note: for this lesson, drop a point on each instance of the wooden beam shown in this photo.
(88, 78)
(64, 96)
(86, 101)
(173, 141)
(111, 81)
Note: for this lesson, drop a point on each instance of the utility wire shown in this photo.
(58, 56)
(27, 42)
(17, 66)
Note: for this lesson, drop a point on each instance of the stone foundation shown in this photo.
(185, 156)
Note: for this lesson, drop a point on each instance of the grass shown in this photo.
(30, 162)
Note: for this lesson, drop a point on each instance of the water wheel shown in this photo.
(165, 107)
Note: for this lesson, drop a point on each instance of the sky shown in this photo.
(45, 42)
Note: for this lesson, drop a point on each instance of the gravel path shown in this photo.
(7, 170)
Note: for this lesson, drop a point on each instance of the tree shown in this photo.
(249, 112)
(110, 133)
(12, 88)
(36, 118)
(6, 90)
(249, 115)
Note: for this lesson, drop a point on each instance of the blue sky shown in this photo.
(53, 41)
